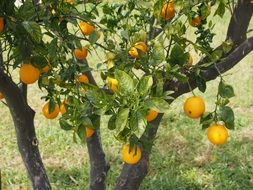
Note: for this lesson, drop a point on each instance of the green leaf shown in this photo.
(81, 132)
(93, 37)
(33, 30)
(126, 82)
(178, 56)
(157, 55)
(225, 90)
(145, 85)
(226, 114)
(133, 122)
(201, 83)
(206, 119)
(86, 122)
(111, 122)
(65, 125)
(157, 104)
(39, 61)
(122, 118)
(123, 135)
(221, 9)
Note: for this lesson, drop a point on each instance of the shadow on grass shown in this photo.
(68, 179)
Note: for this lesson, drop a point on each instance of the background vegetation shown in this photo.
(182, 157)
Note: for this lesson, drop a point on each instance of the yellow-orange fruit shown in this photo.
(217, 134)
(86, 28)
(89, 132)
(195, 21)
(168, 11)
(131, 156)
(50, 115)
(29, 74)
(81, 54)
(152, 115)
(133, 52)
(83, 79)
(194, 107)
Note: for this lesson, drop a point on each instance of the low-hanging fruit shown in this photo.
(168, 11)
(50, 115)
(86, 28)
(133, 52)
(89, 132)
(194, 107)
(28, 73)
(190, 61)
(112, 84)
(81, 54)
(1, 24)
(217, 134)
(45, 69)
(152, 115)
(195, 21)
(1, 96)
(141, 46)
(131, 156)
(83, 79)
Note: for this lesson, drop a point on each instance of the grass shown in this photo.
(182, 158)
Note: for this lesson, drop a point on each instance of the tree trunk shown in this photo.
(98, 165)
(132, 176)
(23, 117)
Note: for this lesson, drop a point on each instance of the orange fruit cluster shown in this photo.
(141, 46)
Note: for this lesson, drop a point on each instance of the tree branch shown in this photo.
(98, 165)
(211, 73)
(132, 175)
(239, 23)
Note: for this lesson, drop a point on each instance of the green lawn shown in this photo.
(182, 158)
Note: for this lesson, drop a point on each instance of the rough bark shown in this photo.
(98, 165)
(239, 23)
(23, 117)
(132, 175)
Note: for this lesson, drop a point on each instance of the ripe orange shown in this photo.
(133, 52)
(86, 28)
(89, 132)
(168, 11)
(112, 84)
(28, 73)
(70, 1)
(63, 108)
(1, 24)
(1, 96)
(195, 21)
(51, 115)
(194, 107)
(81, 54)
(190, 61)
(152, 115)
(141, 46)
(45, 69)
(217, 134)
(131, 156)
(83, 79)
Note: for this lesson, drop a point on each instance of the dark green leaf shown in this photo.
(201, 83)
(178, 55)
(81, 132)
(206, 120)
(65, 125)
(111, 122)
(226, 114)
(225, 90)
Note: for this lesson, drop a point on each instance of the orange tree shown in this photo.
(147, 65)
